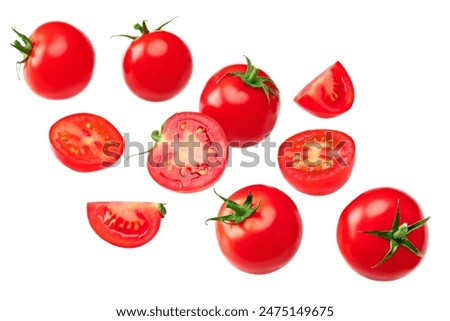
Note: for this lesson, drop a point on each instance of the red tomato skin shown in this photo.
(375, 210)
(315, 96)
(244, 112)
(157, 66)
(146, 213)
(321, 182)
(102, 157)
(61, 63)
(266, 241)
(165, 174)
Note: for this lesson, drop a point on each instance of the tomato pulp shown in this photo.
(190, 153)
(86, 142)
(328, 95)
(126, 224)
(317, 162)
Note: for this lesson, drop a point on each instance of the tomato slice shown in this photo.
(317, 162)
(86, 142)
(328, 95)
(190, 153)
(125, 224)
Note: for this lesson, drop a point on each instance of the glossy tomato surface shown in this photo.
(317, 162)
(375, 210)
(246, 113)
(328, 95)
(61, 62)
(157, 66)
(86, 142)
(125, 224)
(268, 239)
(190, 153)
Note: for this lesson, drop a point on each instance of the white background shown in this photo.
(54, 267)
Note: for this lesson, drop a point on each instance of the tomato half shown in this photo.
(58, 60)
(86, 142)
(245, 102)
(328, 95)
(157, 65)
(382, 234)
(125, 224)
(317, 162)
(190, 153)
(259, 229)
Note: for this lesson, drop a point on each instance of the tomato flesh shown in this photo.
(86, 142)
(328, 95)
(317, 162)
(269, 238)
(375, 210)
(191, 154)
(125, 224)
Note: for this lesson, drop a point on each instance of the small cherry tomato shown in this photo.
(259, 229)
(86, 142)
(245, 102)
(157, 65)
(190, 153)
(328, 95)
(125, 224)
(317, 162)
(58, 60)
(382, 234)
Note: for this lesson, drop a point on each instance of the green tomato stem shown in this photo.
(240, 212)
(397, 236)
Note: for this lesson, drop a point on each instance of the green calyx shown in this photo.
(143, 29)
(240, 212)
(252, 79)
(397, 236)
(25, 47)
(162, 209)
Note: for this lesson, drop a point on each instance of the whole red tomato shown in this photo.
(58, 60)
(328, 95)
(317, 162)
(382, 234)
(126, 224)
(259, 229)
(157, 65)
(86, 142)
(190, 153)
(245, 102)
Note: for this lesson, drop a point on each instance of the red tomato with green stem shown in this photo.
(190, 153)
(244, 100)
(317, 162)
(86, 142)
(382, 234)
(126, 224)
(157, 65)
(58, 60)
(259, 229)
(328, 95)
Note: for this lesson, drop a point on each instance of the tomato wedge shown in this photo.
(125, 224)
(317, 162)
(190, 153)
(328, 95)
(86, 142)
